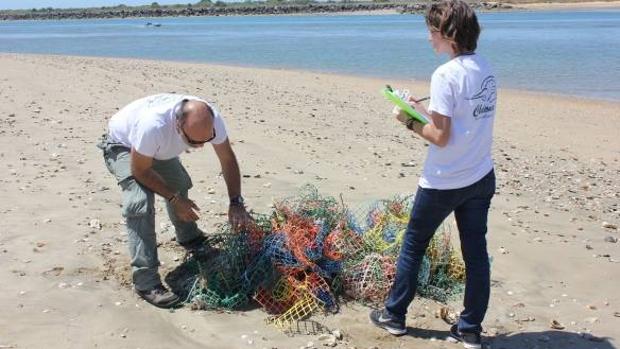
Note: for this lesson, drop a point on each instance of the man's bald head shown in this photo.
(197, 121)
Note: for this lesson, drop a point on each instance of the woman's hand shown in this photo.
(417, 105)
(402, 116)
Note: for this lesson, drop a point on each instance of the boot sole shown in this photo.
(167, 305)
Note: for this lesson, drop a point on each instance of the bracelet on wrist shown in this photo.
(409, 124)
(173, 198)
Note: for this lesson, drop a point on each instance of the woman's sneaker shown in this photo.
(381, 319)
(469, 340)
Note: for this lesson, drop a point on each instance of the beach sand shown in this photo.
(568, 5)
(64, 280)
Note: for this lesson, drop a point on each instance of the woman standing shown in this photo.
(458, 173)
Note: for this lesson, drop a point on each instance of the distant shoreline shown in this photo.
(220, 8)
(287, 8)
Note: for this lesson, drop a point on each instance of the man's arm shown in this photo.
(230, 168)
(142, 170)
(237, 215)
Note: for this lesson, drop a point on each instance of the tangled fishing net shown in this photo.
(312, 251)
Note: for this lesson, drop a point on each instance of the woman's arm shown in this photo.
(437, 131)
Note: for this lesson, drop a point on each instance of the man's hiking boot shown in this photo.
(469, 340)
(160, 297)
(380, 319)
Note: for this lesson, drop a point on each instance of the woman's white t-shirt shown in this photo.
(463, 89)
(149, 126)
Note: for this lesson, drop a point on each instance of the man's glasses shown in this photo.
(180, 119)
(193, 142)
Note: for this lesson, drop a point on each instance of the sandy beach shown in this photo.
(569, 5)
(64, 279)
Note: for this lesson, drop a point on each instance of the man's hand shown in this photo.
(238, 217)
(184, 209)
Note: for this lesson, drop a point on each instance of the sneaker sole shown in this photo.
(466, 345)
(393, 331)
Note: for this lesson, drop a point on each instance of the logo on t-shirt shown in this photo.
(485, 98)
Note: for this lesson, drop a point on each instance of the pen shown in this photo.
(389, 88)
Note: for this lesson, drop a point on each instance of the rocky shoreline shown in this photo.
(222, 9)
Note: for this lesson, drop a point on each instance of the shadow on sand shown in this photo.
(550, 340)
(527, 340)
(182, 277)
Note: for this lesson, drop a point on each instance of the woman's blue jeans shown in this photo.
(431, 206)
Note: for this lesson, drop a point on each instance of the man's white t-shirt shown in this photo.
(149, 126)
(463, 89)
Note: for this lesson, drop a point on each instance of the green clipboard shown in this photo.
(399, 102)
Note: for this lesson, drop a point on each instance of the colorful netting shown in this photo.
(311, 250)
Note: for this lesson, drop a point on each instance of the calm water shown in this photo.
(575, 53)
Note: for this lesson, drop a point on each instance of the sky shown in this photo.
(29, 4)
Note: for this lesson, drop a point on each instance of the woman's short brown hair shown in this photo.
(455, 21)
